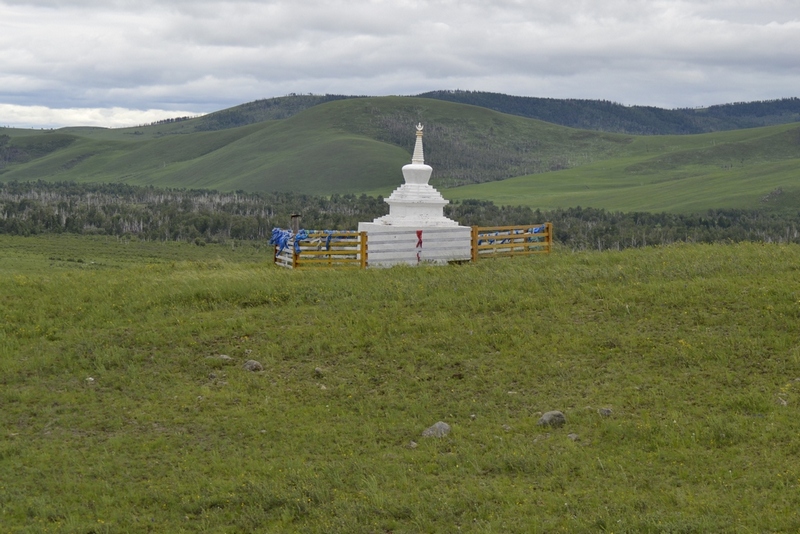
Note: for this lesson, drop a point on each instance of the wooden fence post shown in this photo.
(474, 247)
(362, 240)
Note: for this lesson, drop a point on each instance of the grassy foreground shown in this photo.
(694, 348)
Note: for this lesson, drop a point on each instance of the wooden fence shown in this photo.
(350, 248)
(496, 241)
(325, 249)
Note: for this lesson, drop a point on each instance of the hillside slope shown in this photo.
(359, 145)
(754, 168)
(595, 115)
(345, 146)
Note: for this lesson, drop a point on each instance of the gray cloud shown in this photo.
(202, 55)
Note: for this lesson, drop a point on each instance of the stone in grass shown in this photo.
(573, 437)
(252, 365)
(223, 357)
(605, 412)
(439, 430)
(554, 418)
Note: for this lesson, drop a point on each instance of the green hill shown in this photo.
(596, 115)
(359, 145)
(345, 146)
(683, 174)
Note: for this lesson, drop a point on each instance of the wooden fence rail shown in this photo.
(350, 248)
(496, 241)
(325, 249)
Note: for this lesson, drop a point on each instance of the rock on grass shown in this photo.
(554, 418)
(252, 365)
(439, 430)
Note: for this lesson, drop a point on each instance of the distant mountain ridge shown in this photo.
(605, 116)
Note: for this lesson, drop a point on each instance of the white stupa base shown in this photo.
(414, 218)
(416, 243)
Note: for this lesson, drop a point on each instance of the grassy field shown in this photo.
(118, 414)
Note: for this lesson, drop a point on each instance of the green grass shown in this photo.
(678, 174)
(694, 348)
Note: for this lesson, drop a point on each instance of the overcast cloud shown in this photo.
(126, 62)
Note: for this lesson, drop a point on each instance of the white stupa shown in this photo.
(416, 229)
(416, 202)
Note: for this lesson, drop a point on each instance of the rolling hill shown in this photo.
(344, 146)
(746, 169)
(596, 115)
(358, 145)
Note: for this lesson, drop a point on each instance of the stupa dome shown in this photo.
(416, 202)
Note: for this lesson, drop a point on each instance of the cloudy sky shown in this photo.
(126, 62)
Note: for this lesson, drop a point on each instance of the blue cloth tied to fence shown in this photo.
(281, 238)
(301, 236)
(328, 239)
(536, 230)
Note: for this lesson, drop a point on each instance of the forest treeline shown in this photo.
(202, 216)
(597, 229)
(29, 208)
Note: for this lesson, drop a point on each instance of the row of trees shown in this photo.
(209, 216)
(589, 228)
(170, 214)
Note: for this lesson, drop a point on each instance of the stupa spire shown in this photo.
(418, 158)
